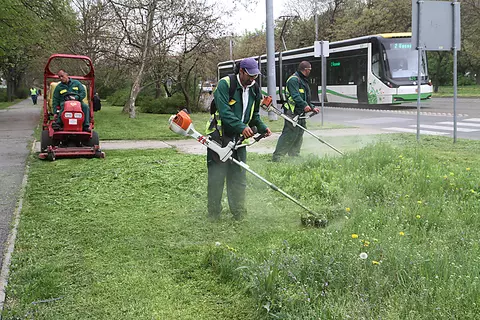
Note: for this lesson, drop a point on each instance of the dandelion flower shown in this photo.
(366, 243)
(468, 169)
(418, 216)
(347, 209)
(419, 201)
(363, 255)
(354, 236)
(375, 262)
(401, 233)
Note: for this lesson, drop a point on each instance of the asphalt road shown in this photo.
(436, 117)
(16, 129)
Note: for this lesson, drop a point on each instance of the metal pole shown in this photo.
(322, 98)
(271, 77)
(454, 77)
(316, 20)
(419, 74)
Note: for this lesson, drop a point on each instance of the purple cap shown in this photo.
(250, 65)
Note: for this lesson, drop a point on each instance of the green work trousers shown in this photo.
(86, 113)
(236, 179)
(290, 140)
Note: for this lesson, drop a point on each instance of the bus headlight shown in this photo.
(68, 115)
(77, 115)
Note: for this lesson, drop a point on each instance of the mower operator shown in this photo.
(298, 102)
(73, 90)
(235, 116)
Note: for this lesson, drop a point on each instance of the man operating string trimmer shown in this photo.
(235, 116)
(298, 102)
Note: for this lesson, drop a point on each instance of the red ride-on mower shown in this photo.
(72, 140)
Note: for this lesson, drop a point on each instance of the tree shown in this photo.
(29, 30)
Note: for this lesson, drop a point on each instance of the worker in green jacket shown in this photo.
(298, 103)
(69, 89)
(235, 118)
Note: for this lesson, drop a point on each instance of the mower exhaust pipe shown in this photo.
(182, 125)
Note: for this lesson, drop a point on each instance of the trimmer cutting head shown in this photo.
(312, 221)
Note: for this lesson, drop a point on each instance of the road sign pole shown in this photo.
(419, 74)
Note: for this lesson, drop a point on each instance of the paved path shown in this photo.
(193, 147)
(16, 129)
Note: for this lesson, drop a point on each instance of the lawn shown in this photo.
(112, 124)
(127, 237)
(4, 104)
(464, 91)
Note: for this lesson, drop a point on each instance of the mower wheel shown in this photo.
(94, 140)
(45, 141)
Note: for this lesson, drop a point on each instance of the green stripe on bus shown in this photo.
(337, 94)
(410, 96)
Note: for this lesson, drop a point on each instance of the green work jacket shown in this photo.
(230, 112)
(297, 93)
(73, 86)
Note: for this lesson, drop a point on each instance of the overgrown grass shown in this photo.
(112, 124)
(127, 238)
(5, 105)
(465, 91)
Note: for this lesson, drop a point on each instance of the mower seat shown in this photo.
(53, 85)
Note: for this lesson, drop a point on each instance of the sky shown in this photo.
(255, 15)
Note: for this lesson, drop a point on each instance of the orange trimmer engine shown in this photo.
(182, 119)
(72, 116)
(181, 123)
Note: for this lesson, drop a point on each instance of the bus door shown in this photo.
(361, 79)
(315, 81)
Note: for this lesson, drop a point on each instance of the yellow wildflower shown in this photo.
(445, 177)
(468, 169)
(354, 236)
(375, 262)
(418, 216)
(419, 201)
(347, 209)
(366, 243)
(231, 249)
(401, 233)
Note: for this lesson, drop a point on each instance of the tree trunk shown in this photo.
(11, 85)
(169, 94)
(145, 53)
(477, 77)
(157, 89)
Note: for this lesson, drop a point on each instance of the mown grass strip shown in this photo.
(112, 124)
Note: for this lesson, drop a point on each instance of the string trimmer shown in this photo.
(182, 125)
(270, 107)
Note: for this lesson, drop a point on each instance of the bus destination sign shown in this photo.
(400, 45)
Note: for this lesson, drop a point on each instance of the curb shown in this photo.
(11, 238)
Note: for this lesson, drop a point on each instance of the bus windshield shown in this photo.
(401, 60)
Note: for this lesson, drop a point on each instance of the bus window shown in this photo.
(402, 60)
(343, 67)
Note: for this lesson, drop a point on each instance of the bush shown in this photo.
(161, 105)
(120, 97)
(3, 94)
